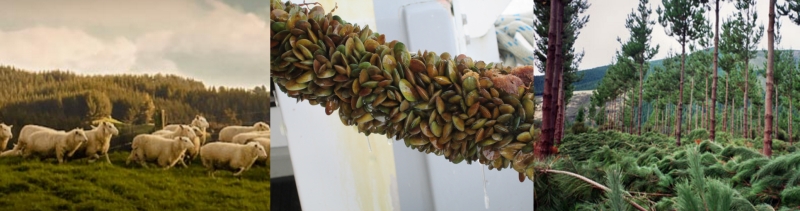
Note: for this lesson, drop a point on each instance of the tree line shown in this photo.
(62, 99)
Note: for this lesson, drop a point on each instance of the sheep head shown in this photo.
(261, 126)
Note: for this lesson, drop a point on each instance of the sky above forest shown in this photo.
(221, 43)
(598, 39)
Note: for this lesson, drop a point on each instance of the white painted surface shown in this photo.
(280, 163)
(333, 166)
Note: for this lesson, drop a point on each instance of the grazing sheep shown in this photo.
(165, 151)
(99, 142)
(198, 121)
(227, 133)
(243, 137)
(264, 141)
(11, 153)
(230, 156)
(47, 144)
(5, 135)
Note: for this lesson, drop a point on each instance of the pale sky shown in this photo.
(221, 43)
(598, 38)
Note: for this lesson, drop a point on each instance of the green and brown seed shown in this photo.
(454, 107)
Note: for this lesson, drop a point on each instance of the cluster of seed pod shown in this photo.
(452, 107)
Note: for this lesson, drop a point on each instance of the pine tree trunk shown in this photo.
(770, 80)
(680, 97)
(561, 109)
(552, 73)
(713, 114)
(746, 85)
(691, 106)
(776, 116)
(705, 107)
(725, 107)
(639, 118)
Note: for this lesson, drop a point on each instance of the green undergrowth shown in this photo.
(658, 175)
(78, 185)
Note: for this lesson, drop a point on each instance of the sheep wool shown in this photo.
(47, 144)
(166, 152)
(243, 137)
(229, 156)
(99, 142)
(5, 135)
(27, 130)
(181, 130)
(198, 121)
(264, 141)
(227, 133)
(11, 153)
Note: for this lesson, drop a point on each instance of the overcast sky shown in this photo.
(607, 22)
(217, 42)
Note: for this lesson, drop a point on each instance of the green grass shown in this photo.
(77, 185)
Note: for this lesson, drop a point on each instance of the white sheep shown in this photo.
(11, 153)
(230, 156)
(47, 144)
(227, 133)
(242, 137)
(181, 130)
(5, 135)
(99, 142)
(165, 151)
(27, 130)
(198, 121)
(197, 141)
(264, 141)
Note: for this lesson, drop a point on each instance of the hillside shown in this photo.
(76, 185)
(65, 100)
(593, 76)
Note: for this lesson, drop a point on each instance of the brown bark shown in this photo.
(691, 106)
(641, 90)
(552, 73)
(746, 85)
(559, 133)
(725, 106)
(705, 118)
(680, 98)
(770, 78)
(713, 114)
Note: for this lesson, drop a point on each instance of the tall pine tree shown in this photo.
(683, 20)
(741, 39)
(639, 49)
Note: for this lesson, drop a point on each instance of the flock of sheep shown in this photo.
(237, 150)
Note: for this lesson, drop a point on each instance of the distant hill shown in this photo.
(593, 76)
(65, 100)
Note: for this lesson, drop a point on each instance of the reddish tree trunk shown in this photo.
(559, 133)
(552, 73)
(770, 78)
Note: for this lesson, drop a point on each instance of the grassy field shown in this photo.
(77, 185)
